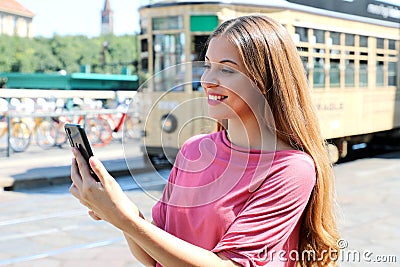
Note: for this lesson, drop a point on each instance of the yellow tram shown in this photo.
(350, 52)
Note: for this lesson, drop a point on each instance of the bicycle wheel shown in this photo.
(61, 137)
(132, 128)
(20, 136)
(107, 132)
(46, 133)
(101, 129)
(93, 130)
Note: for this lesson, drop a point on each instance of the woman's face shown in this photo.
(231, 93)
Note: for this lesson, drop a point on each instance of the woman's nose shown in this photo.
(208, 80)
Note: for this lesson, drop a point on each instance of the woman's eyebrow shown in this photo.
(225, 61)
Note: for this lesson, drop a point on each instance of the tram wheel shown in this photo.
(333, 153)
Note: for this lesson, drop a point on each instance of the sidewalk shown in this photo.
(38, 167)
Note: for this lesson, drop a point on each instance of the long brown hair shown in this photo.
(271, 57)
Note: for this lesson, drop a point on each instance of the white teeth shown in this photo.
(215, 97)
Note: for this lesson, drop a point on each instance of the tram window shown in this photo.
(143, 25)
(379, 43)
(392, 44)
(335, 52)
(303, 33)
(319, 36)
(319, 73)
(363, 73)
(145, 64)
(199, 43)
(363, 41)
(304, 60)
(335, 36)
(349, 73)
(302, 49)
(392, 74)
(144, 45)
(167, 23)
(319, 51)
(168, 51)
(334, 73)
(349, 39)
(380, 73)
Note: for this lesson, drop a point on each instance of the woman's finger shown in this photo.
(74, 191)
(94, 215)
(99, 169)
(75, 174)
(82, 165)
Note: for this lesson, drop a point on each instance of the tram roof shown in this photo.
(380, 8)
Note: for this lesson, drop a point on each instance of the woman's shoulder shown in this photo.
(294, 161)
(196, 139)
(193, 146)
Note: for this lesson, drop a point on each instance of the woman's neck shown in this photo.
(251, 134)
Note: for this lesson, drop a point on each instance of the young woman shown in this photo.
(257, 193)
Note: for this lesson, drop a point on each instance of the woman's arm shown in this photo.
(136, 250)
(109, 202)
(169, 250)
(139, 253)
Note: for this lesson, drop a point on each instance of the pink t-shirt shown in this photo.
(244, 204)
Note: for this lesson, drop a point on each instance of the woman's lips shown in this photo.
(215, 99)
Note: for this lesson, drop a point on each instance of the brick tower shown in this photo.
(107, 19)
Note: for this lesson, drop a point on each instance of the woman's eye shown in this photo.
(227, 70)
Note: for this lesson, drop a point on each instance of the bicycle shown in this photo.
(19, 132)
(113, 126)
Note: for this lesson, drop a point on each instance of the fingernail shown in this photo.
(93, 161)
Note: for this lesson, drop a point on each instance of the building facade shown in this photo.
(15, 19)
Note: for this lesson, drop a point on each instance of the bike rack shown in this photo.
(85, 113)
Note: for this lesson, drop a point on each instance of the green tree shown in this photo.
(104, 54)
(45, 60)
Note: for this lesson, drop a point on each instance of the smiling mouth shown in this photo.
(217, 97)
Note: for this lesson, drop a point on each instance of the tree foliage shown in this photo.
(104, 54)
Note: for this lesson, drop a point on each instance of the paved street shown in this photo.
(47, 227)
(369, 206)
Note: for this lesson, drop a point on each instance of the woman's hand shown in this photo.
(105, 199)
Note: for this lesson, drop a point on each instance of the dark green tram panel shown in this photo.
(74, 81)
(93, 81)
(203, 23)
(35, 80)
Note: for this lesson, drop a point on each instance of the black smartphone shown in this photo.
(77, 138)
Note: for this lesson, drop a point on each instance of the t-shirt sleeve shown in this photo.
(270, 215)
(160, 208)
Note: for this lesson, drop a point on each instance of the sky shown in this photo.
(81, 17)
